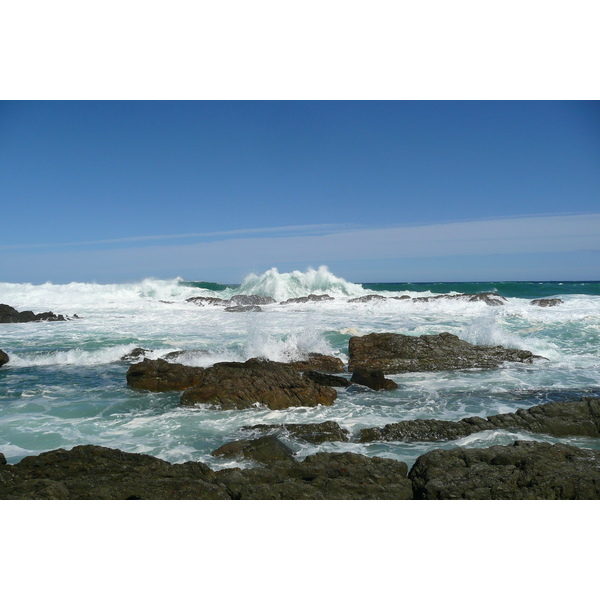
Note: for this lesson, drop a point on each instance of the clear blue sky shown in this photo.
(378, 191)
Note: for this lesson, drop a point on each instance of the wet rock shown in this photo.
(135, 354)
(243, 299)
(162, 376)
(546, 302)
(266, 450)
(521, 471)
(397, 353)
(8, 314)
(244, 308)
(490, 298)
(313, 433)
(318, 362)
(186, 354)
(367, 298)
(3, 358)
(559, 419)
(326, 379)
(208, 301)
(234, 385)
(372, 378)
(309, 298)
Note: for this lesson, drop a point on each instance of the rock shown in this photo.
(309, 298)
(546, 302)
(242, 299)
(372, 378)
(244, 308)
(521, 471)
(161, 376)
(3, 358)
(490, 298)
(368, 298)
(135, 354)
(326, 379)
(397, 353)
(266, 450)
(313, 433)
(233, 385)
(185, 354)
(559, 419)
(8, 314)
(208, 301)
(318, 362)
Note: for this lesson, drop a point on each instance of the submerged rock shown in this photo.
(135, 354)
(186, 354)
(243, 299)
(244, 308)
(313, 433)
(372, 378)
(309, 298)
(162, 376)
(559, 419)
(3, 358)
(266, 450)
(234, 385)
(521, 471)
(8, 314)
(367, 298)
(490, 298)
(546, 302)
(397, 353)
(208, 301)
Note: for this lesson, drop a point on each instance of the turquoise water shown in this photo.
(65, 384)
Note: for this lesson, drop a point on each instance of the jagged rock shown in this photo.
(546, 302)
(490, 298)
(318, 362)
(559, 419)
(309, 298)
(135, 354)
(208, 301)
(162, 376)
(313, 433)
(521, 471)
(326, 379)
(185, 354)
(244, 308)
(8, 314)
(3, 358)
(243, 299)
(266, 450)
(367, 298)
(372, 378)
(234, 385)
(397, 353)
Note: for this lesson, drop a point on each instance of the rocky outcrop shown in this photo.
(559, 419)
(208, 301)
(314, 361)
(186, 354)
(368, 298)
(8, 314)
(313, 433)
(243, 299)
(546, 302)
(521, 471)
(372, 378)
(309, 298)
(397, 353)
(135, 354)
(162, 376)
(326, 379)
(244, 308)
(3, 358)
(265, 450)
(234, 385)
(490, 298)
(96, 473)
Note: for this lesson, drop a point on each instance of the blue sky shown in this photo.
(378, 191)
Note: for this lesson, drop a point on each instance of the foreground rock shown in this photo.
(234, 385)
(397, 353)
(372, 378)
(265, 450)
(326, 379)
(522, 471)
(3, 358)
(313, 433)
(318, 362)
(162, 376)
(547, 302)
(8, 314)
(96, 473)
(559, 419)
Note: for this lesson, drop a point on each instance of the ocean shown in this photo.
(65, 383)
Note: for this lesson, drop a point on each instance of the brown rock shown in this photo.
(3, 358)
(546, 302)
(372, 378)
(161, 376)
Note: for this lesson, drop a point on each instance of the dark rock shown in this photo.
(397, 353)
(559, 419)
(521, 471)
(403, 297)
(309, 298)
(368, 298)
(161, 376)
(3, 358)
(266, 450)
(234, 385)
(547, 302)
(8, 314)
(318, 362)
(326, 379)
(135, 354)
(313, 433)
(208, 301)
(244, 308)
(185, 354)
(243, 300)
(372, 378)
